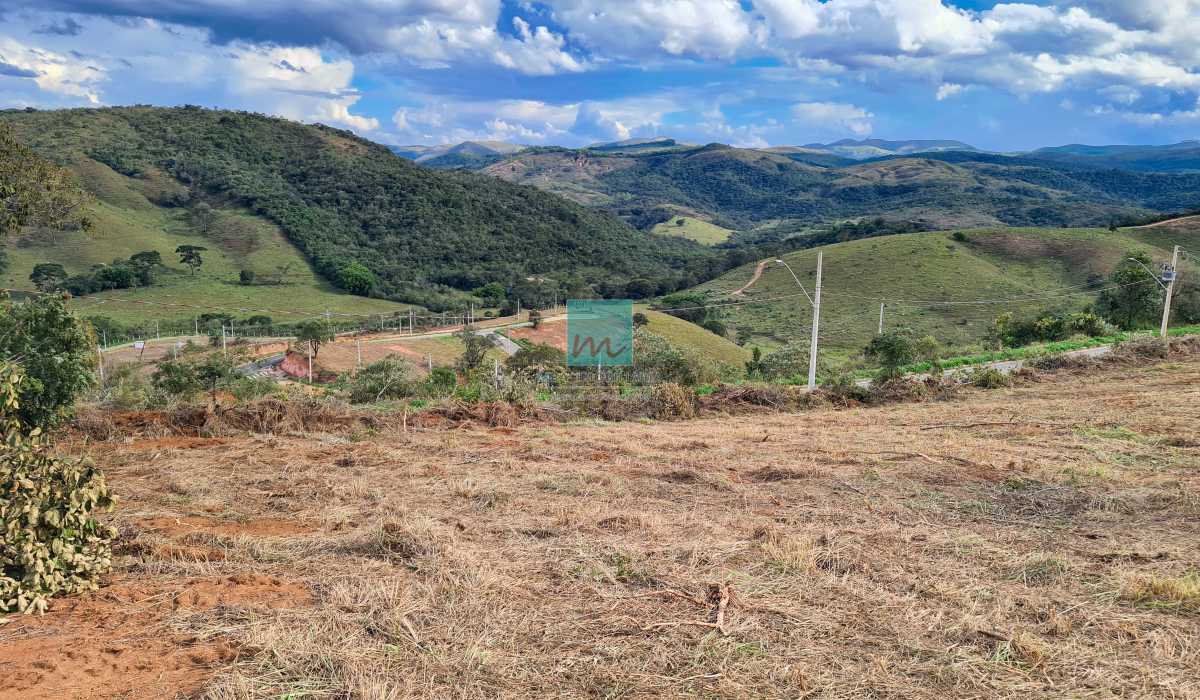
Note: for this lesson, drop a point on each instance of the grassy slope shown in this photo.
(695, 229)
(126, 223)
(993, 264)
(683, 334)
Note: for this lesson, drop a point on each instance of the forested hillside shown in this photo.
(422, 234)
(744, 189)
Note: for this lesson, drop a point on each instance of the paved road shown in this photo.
(501, 341)
(263, 367)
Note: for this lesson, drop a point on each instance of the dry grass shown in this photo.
(1043, 544)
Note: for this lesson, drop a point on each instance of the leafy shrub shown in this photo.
(389, 378)
(51, 544)
(657, 360)
(441, 381)
(56, 353)
(893, 350)
(536, 358)
(786, 362)
(843, 388)
(988, 378)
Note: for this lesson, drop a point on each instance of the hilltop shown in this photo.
(1046, 269)
(424, 235)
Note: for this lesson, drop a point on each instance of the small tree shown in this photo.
(357, 279)
(48, 277)
(535, 318)
(202, 217)
(190, 255)
(536, 357)
(475, 347)
(640, 320)
(56, 353)
(34, 191)
(315, 333)
(146, 259)
(893, 350)
(1134, 299)
(246, 277)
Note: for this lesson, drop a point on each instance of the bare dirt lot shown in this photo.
(1041, 541)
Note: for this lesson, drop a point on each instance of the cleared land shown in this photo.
(698, 230)
(965, 548)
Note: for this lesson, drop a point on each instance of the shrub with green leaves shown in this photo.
(52, 543)
(57, 355)
(389, 378)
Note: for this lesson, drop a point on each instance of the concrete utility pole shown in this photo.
(196, 320)
(157, 335)
(310, 364)
(812, 353)
(1166, 319)
(358, 347)
(100, 365)
(881, 319)
(224, 349)
(412, 328)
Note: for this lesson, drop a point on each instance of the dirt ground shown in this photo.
(1035, 542)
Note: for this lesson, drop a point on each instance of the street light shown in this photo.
(783, 262)
(1152, 275)
(816, 322)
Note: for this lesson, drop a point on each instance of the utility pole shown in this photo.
(358, 347)
(310, 364)
(518, 319)
(429, 362)
(157, 335)
(1170, 292)
(100, 355)
(412, 328)
(812, 353)
(224, 349)
(103, 339)
(196, 320)
(880, 319)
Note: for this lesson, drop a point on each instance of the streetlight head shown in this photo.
(780, 261)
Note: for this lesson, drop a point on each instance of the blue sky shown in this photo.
(1006, 76)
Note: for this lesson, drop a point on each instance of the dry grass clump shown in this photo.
(405, 539)
(671, 401)
(1040, 569)
(1180, 593)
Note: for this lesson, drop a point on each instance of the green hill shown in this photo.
(1037, 270)
(425, 234)
(684, 334)
(125, 222)
(743, 188)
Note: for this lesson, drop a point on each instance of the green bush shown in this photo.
(57, 355)
(389, 378)
(784, 363)
(893, 350)
(441, 381)
(988, 378)
(52, 544)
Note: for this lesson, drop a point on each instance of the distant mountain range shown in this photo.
(1178, 157)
